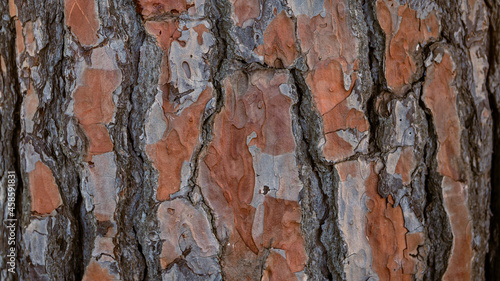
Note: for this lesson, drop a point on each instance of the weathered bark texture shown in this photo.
(251, 139)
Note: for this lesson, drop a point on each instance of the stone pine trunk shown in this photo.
(251, 139)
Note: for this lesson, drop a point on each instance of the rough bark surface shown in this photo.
(251, 139)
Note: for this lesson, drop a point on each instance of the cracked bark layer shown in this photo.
(251, 140)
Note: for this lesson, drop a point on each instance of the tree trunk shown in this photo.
(250, 140)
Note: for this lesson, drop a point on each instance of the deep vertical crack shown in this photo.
(435, 217)
(437, 223)
(318, 198)
(217, 16)
(16, 130)
(81, 243)
(492, 86)
(133, 209)
(376, 50)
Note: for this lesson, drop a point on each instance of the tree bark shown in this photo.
(250, 140)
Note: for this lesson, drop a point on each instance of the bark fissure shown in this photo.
(218, 57)
(133, 205)
(8, 38)
(320, 192)
(376, 49)
(493, 256)
(81, 245)
(437, 222)
(435, 217)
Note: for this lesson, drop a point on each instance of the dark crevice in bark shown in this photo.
(437, 223)
(68, 165)
(436, 220)
(81, 244)
(464, 33)
(219, 58)
(66, 230)
(134, 207)
(376, 50)
(8, 36)
(326, 249)
(82, 218)
(263, 259)
(493, 257)
(135, 203)
(145, 219)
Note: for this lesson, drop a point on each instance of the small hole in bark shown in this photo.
(186, 251)
(278, 63)
(62, 244)
(187, 69)
(171, 211)
(266, 189)
(91, 164)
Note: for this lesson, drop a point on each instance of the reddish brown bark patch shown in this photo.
(387, 235)
(341, 117)
(276, 269)
(12, 8)
(402, 41)
(282, 231)
(328, 37)
(165, 33)
(81, 18)
(200, 29)
(331, 49)
(95, 271)
(30, 38)
(178, 143)
(94, 107)
(100, 141)
(406, 164)
(256, 113)
(279, 42)
(93, 99)
(45, 196)
(245, 10)
(336, 148)
(19, 37)
(440, 96)
(31, 102)
(327, 85)
(455, 203)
